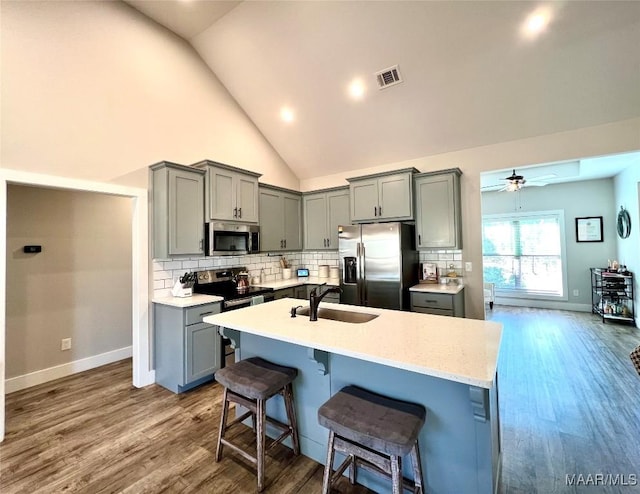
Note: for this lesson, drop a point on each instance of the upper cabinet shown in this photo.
(280, 219)
(177, 209)
(382, 197)
(438, 219)
(231, 193)
(323, 213)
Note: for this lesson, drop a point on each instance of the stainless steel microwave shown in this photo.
(229, 239)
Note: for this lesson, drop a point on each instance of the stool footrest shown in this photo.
(240, 451)
(347, 447)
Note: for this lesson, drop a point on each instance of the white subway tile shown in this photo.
(158, 284)
(189, 264)
(172, 265)
(162, 275)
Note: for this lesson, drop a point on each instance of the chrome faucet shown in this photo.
(314, 299)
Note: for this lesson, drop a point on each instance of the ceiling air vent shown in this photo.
(388, 77)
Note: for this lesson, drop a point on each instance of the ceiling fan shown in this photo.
(515, 182)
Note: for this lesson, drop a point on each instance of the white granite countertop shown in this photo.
(449, 289)
(312, 280)
(192, 301)
(452, 348)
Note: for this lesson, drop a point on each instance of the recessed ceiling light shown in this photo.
(287, 115)
(536, 22)
(356, 89)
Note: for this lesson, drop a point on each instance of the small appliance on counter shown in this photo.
(302, 273)
(334, 272)
(428, 273)
(323, 271)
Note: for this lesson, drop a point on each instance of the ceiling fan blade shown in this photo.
(491, 188)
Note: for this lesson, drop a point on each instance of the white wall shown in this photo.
(96, 90)
(627, 192)
(576, 199)
(78, 287)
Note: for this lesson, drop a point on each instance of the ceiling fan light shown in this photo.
(513, 186)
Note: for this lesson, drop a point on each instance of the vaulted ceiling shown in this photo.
(470, 76)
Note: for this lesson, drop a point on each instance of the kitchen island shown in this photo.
(446, 364)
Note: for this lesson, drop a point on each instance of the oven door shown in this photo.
(240, 303)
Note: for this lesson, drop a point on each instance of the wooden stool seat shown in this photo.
(375, 432)
(250, 383)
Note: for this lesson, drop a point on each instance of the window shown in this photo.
(523, 254)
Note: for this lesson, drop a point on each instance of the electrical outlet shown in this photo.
(65, 344)
(576, 293)
(468, 267)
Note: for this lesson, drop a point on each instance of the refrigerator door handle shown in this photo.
(363, 275)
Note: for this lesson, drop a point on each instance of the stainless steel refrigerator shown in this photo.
(379, 264)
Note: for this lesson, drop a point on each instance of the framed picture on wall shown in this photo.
(589, 229)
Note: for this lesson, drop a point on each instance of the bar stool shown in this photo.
(250, 383)
(375, 432)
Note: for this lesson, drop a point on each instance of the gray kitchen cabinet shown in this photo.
(323, 213)
(231, 193)
(332, 298)
(187, 350)
(438, 219)
(280, 219)
(440, 304)
(177, 194)
(284, 293)
(382, 197)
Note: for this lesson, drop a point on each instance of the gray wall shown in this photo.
(576, 199)
(627, 194)
(78, 287)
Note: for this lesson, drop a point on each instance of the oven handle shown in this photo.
(243, 301)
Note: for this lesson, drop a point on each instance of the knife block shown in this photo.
(182, 290)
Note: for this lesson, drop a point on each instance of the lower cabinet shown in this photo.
(440, 304)
(332, 298)
(187, 350)
(302, 292)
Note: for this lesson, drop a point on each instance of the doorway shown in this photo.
(142, 372)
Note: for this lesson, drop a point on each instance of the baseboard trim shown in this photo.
(543, 304)
(45, 375)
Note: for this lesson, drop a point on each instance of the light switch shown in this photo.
(468, 267)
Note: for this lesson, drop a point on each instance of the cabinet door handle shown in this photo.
(419, 239)
(285, 243)
(235, 212)
(328, 242)
(239, 212)
(379, 210)
(281, 243)
(201, 242)
(206, 313)
(375, 210)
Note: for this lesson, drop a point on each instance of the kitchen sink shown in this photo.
(339, 315)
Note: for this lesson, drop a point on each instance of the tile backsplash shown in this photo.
(167, 272)
(444, 259)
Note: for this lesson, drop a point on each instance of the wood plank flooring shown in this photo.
(569, 401)
(569, 404)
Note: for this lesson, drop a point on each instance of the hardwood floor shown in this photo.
(569, 401)
(569, 404)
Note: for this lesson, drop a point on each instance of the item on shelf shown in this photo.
(323, 271)
(334, 272)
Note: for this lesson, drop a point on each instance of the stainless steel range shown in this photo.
(227, 283)
(224, 283)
